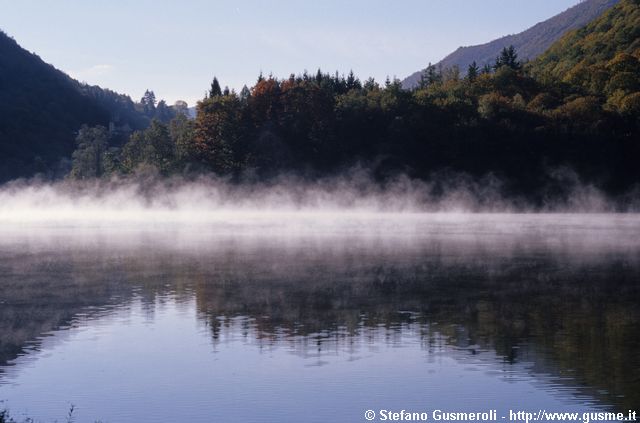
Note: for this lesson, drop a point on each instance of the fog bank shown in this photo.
(152, 199)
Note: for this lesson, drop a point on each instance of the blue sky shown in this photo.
(175, 47)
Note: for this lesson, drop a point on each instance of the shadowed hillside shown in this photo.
(42, 108)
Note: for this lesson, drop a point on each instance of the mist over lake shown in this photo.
(303, 316)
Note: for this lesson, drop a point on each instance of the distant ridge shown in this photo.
(602, 58)
(529, 44)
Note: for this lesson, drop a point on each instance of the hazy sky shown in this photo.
(175, 47)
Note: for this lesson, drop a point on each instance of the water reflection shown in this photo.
(552, 302)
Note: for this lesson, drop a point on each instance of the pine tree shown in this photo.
(148, 102)
(473, 71)
(433, 76)
(508, 57)
(370, 84)
(215, 90)
(353, 82)
(424, 80)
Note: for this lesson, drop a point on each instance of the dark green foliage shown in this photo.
(530, 43)
(181, 131)
(148, 102)
(215, 90)
(151, 148)
(89, 156)
(473, 71)
(353, 83)
(161, 148)
(509, 58)
(163, 112)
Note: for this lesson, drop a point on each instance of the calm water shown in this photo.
(317, 319)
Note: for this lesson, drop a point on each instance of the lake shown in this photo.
(303, 317)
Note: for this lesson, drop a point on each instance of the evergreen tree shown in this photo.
(215, 90)
(433, 76)
(370, 84)
(473, 71)
(148, 102)
(319, 77)
(353, 82)
(424, 80)
(508, 57)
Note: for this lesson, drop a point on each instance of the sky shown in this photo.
(176, 47)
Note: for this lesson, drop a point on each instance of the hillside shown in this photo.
(529, 44)
(41, 108)
(603, 58)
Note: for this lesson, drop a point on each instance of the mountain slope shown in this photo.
(603, 58)
(529, 44)
(41, 108)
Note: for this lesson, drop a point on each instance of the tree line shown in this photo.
(497, 120)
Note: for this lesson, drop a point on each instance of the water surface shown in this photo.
(304, 317)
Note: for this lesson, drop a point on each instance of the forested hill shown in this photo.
(603, 58)
(530, 43)
(42, 108)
